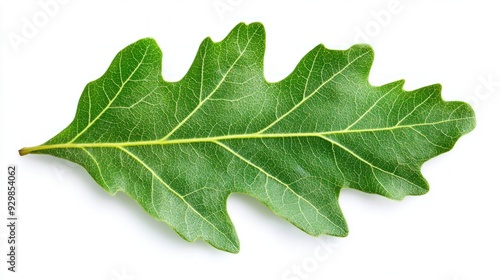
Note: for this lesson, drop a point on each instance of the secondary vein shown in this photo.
(112, 100)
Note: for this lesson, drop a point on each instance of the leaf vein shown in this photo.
(211, 93)
(136, 158)
(287, 186)
(112, 100)
(311, 94)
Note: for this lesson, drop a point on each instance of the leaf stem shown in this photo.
(26, 150)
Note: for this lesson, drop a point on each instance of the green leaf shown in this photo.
(181, 148)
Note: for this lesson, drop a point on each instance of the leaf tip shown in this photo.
(344, 232)
(233, 250)
(362, 48)
(256, 25)
(149, 42)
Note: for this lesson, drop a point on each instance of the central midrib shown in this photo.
(222, 138)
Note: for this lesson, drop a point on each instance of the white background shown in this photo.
(69, 228)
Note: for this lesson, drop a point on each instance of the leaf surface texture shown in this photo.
(181, 148)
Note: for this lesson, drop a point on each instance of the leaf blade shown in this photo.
(181, 148)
